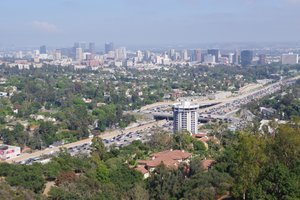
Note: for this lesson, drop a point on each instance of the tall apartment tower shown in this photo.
(43, 49)
(185, 117)
(92, 47)
(79, 54)
(197, 55)
(236, 58)
(215, 52)
(246, 57)
(262, 59)
(184, 55)
(109, 47)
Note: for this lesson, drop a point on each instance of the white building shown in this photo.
(121, 53)
(43, 56)
(111, 54)
(166, 61)
(7, 152)
(185, 55)
(57, 54)
(129, 63)
(209, 59)
(139, 56)
(289, 59)
(185, 117)
(159, 60)
(19, 55)
(172, 54)
(79, 54)
(223, 60)
(118, 63)
(230, 58)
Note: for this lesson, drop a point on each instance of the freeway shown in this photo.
(258, 91)
(106, 135)
(214, 110)
(234, 103)
(227, 106)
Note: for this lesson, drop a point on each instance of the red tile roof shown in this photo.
(173, 154)
(169, 158)
(207, 163)
(142, 169)
(200, 135)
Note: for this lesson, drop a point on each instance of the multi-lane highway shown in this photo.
(223, 107)
(256, 92)
(106, 135)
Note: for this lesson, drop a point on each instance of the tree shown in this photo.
(16, 137)
(207, 185)
(28, 177)
(65, 177)
(138, 192)
(165, 183)
(47, 132)
(275, 182)
(286, 146)
(8, 192)
(245, 159)
(199, 146)
(102, 172)
(183, 141)
(160, 141)
(98, 149)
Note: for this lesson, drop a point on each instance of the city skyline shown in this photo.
(61, 22)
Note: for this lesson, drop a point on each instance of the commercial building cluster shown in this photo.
(82, 55)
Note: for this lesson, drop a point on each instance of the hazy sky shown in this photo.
(61, 22)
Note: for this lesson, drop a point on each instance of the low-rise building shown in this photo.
(7, 152)
(290, 59)
(171, 159)
(267, 112)
(207, 163)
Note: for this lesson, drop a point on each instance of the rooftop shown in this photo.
(207, 163)
(169, 158)
(186, 105)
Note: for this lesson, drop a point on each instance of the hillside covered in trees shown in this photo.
(248, 165)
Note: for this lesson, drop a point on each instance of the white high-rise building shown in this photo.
(159, 60)
(230, 58)
(166, 60)
(185, 55)
(223, 60)
(209, 59)
(290, 59)
(172, 54)
(57, 54)
(19, 55)
(79, 54)
(121, 53)
(139, 56)
(185, 117)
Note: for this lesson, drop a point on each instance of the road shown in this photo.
(226, 106)
(220, 101)
(111, 134)
(106, 135)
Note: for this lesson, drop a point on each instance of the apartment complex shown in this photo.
(185, 117)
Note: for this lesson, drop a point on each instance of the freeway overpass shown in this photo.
(111, 134)
(202, 104)
(203, 118)
(210, 103)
